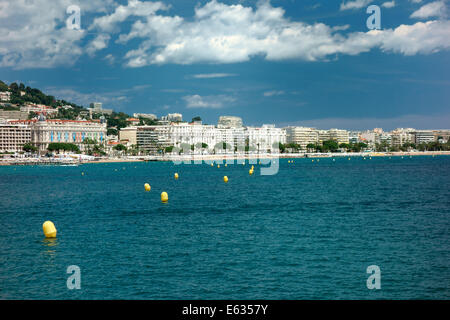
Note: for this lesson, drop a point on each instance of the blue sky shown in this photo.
(288, 62)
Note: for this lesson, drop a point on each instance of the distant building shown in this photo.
(13, 115)
(97, 107)
(5, 96)
(229, 122)
(145, 115)
(133, 121)
(173, 117)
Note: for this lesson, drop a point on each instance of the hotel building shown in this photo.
(302, 136)
(44, 132)
(13, 136)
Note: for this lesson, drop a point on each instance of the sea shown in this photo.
(313, 230)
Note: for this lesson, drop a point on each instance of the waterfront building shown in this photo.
(353, 136)
(229, 122)
(265, 138)
(424, 136)
(401, 136)
(338, 135)
(301, 136)
(152, 138)
(13, 136)
(128, 134)
(44, 132)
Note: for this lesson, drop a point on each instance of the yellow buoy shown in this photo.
(225, 164)
(225, 179)
(147, 187)
(218, 166)
(49, 229)
(212, 165)
(250, 172)
(164, 197)
(289, 161)
(253, 167)
(312, 160)
(176, 176)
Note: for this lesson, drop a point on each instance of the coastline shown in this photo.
(218, 157)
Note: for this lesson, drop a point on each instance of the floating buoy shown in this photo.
(348, 158)
(253, 167)
(164, 196)
(49, 229)
(250, 172)
(147, 187)
(212, 164)
(312, 160)
(225, 179)
(176, 176)
(318, 160)
(218, 166)
(289, 161)
(82, 173)
(225, 164)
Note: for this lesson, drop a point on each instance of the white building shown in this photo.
(173, 117)
(145, 115)
(302, 136)
(44, 132)
(13, 136)
(5, 96)
(229, 122)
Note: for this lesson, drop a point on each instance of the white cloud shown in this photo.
(213, 75)
(354, 4)
(34, 34)
(98, 43)
(212, 101)
(432, 9)
(388, 4)
(273, 93)
(221, 33)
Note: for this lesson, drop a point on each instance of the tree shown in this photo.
(28, 147)
(330, 145)
(61, 146)
(120, 147)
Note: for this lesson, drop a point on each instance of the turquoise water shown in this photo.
(308, 232)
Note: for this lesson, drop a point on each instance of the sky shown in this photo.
(285, 62)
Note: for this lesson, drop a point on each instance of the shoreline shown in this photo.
(213, 158)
